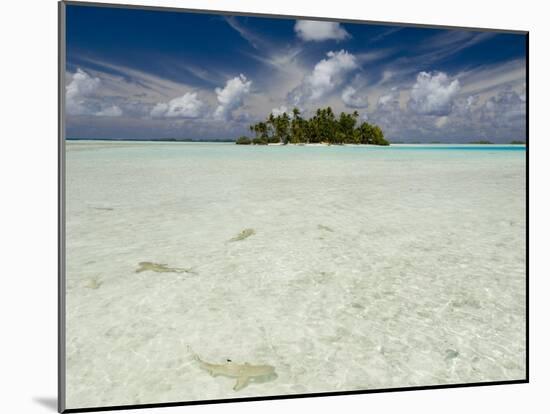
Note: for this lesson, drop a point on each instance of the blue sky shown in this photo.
(142, 74)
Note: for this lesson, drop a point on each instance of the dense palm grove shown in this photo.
(323, 127)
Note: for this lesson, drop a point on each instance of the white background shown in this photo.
(28, 228)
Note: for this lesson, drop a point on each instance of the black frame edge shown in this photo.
(61, 208)
(527, 207)
(292, 396)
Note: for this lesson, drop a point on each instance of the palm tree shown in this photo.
(296, 127)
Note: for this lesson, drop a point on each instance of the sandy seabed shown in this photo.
(360, 268)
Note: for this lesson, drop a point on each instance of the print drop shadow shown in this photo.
(48, 402)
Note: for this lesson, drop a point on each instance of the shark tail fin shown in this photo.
(193, 354)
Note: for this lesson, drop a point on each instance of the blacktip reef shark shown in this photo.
(243, 373)
(160, 268)
(243, 235)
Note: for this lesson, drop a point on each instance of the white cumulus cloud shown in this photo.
(352, 98)
(433, 94)
(326, 76)
(231, 97)
(507, 109)
(280, 110)
(441, 121)
(109, 111)
(82, 99)
(185, 106)
(389, 101)
(309, 30)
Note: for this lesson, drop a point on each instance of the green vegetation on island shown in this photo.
(517, 143)
(481, 142)
(323, 127)
(243, 141)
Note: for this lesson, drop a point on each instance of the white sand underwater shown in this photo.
(368, 268)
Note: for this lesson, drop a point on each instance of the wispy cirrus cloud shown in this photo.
(123, 79)
(451, 41)
(374, 55)
(431, 52)
(385, 34)
(284, 60)
(256, 41)
(485, 78)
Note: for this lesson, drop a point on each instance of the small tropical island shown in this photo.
(323, 128)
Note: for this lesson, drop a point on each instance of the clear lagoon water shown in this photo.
(359, 268)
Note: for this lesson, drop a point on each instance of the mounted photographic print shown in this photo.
(256, 206)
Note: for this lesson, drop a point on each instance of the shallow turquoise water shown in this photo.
(368, 268)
